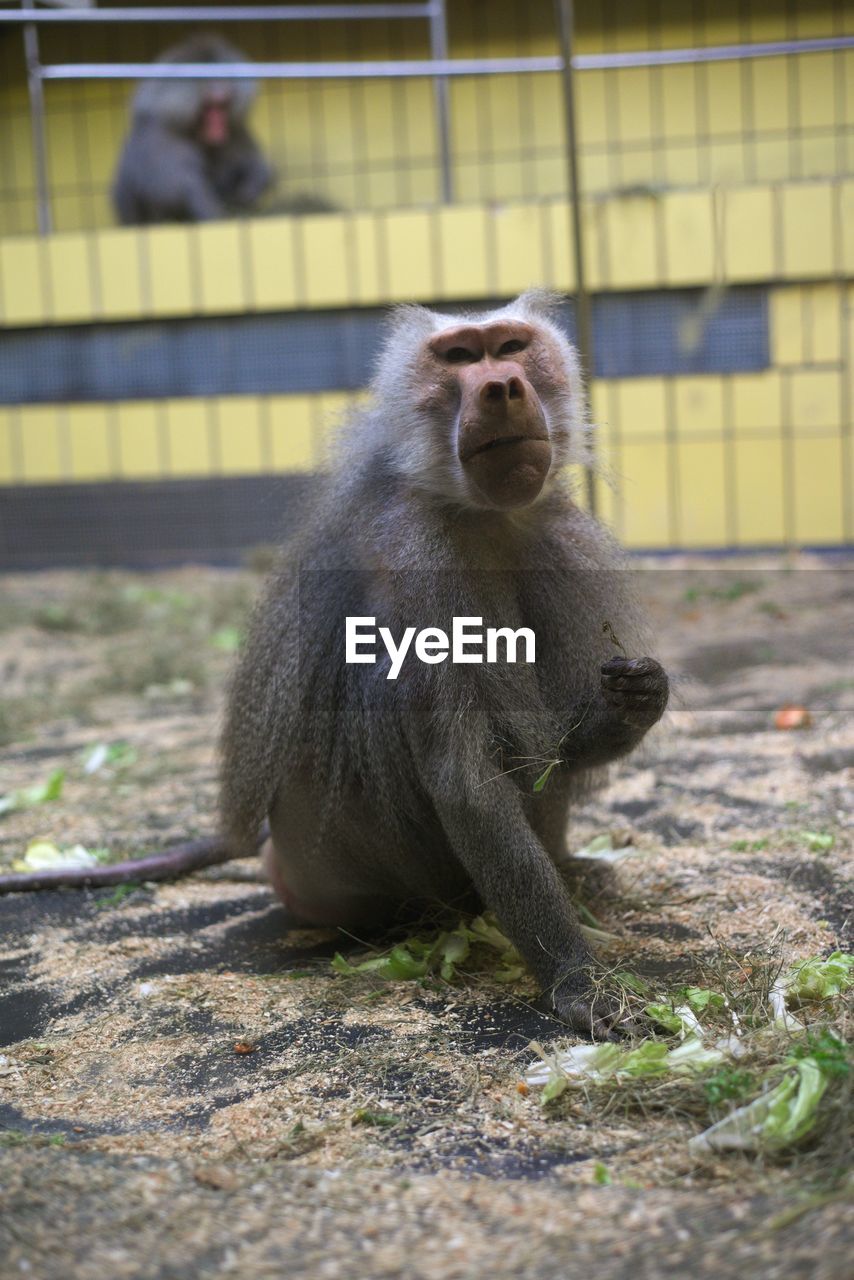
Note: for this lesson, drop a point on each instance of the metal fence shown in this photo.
(767, 122)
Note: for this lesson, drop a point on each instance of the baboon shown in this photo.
(189, 156)
(388, 787)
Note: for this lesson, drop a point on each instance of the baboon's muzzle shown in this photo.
(503, 441)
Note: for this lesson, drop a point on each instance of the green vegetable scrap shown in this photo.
(701, 998)
(227, 639)
(817, 841)
(727, 1085)
(810, 980)
(400, 965)
(776, 1119)
(681, 1019)
(671, 1019)
(834, 1056)
(43, 855)
(416, 958)
(30, 797)
(607, 1063)
(632, 982)
(603, 848)
(113, 755)
(817, 979)
(375, 1119)
(784, 1112)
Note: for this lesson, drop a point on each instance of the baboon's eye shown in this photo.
(460, 355)
(513, 344)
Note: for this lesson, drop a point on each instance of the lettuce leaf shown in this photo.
(776, 1119)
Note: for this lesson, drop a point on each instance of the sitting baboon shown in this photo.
(189, 156)
(397, 782)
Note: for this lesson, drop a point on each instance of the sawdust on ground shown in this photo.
(378, 1129)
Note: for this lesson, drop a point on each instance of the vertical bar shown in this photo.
(674, 469)
(584, 328)
(748, 98)
(846, 381)
(846, 406)
(439, 50)
(728, 444)
(35, 86)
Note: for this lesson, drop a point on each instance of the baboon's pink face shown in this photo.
(215, 118)
(491, 380)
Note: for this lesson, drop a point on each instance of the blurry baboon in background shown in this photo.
(189, 156)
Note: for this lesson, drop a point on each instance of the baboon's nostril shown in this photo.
(514, 390)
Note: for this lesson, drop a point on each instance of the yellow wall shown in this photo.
(786, 232)
(701, 461)
(156, 439)
(745, 459)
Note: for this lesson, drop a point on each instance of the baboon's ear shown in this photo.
(408, 321)
(539, 303)
(405, 330)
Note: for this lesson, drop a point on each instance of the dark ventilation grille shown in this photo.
(635, 334)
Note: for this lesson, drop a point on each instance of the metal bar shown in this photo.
(295, 70)
(564, 13)
(423, 67)
(230, 13)
(35, 88)
(714, 53)
(439, 50)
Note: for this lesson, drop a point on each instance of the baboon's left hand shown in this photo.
(599, 1014)
(635, 689)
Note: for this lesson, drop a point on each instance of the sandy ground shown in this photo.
(378, 1129)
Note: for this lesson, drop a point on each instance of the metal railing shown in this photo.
(439, 67)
